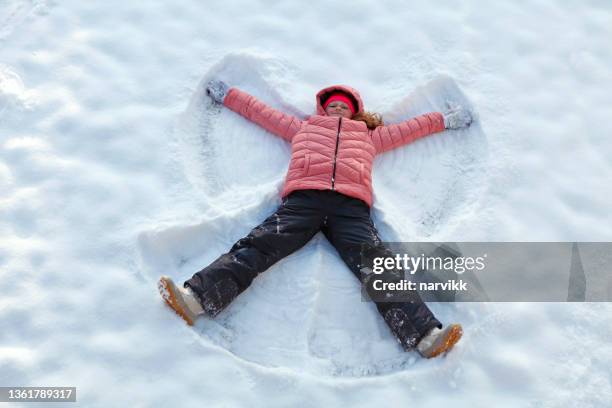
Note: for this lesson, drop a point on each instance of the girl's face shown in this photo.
(338, 108)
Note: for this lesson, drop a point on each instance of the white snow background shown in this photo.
(114, 170)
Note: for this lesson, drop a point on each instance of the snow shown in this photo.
(113, 170)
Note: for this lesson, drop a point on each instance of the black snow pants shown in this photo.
(346, 223)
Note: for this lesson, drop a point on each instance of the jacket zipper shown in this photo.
(333, 178)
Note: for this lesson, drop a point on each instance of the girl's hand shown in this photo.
(217, 90)
(456, 116)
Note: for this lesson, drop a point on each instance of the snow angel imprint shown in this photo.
(328, 188)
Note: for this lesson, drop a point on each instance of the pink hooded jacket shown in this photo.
(328, 152)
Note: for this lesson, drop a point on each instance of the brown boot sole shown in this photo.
(452, 337)
(166, 290)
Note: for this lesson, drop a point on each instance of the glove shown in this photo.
(217, 90)
(456, 116)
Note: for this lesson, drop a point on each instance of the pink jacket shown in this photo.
(332, 153)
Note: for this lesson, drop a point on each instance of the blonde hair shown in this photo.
(372, 120)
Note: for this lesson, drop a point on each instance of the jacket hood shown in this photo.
(324, 93)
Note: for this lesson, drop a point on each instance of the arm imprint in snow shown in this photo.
(273, 120)
(392, 136)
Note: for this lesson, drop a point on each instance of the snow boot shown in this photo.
(182, 300)
(439, 341)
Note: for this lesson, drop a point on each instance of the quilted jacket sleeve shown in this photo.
(389, 137)
(273, 120)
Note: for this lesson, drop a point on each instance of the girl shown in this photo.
(327, 188)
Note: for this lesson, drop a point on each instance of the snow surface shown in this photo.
(113, 170)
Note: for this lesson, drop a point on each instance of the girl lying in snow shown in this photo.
(328, 188)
